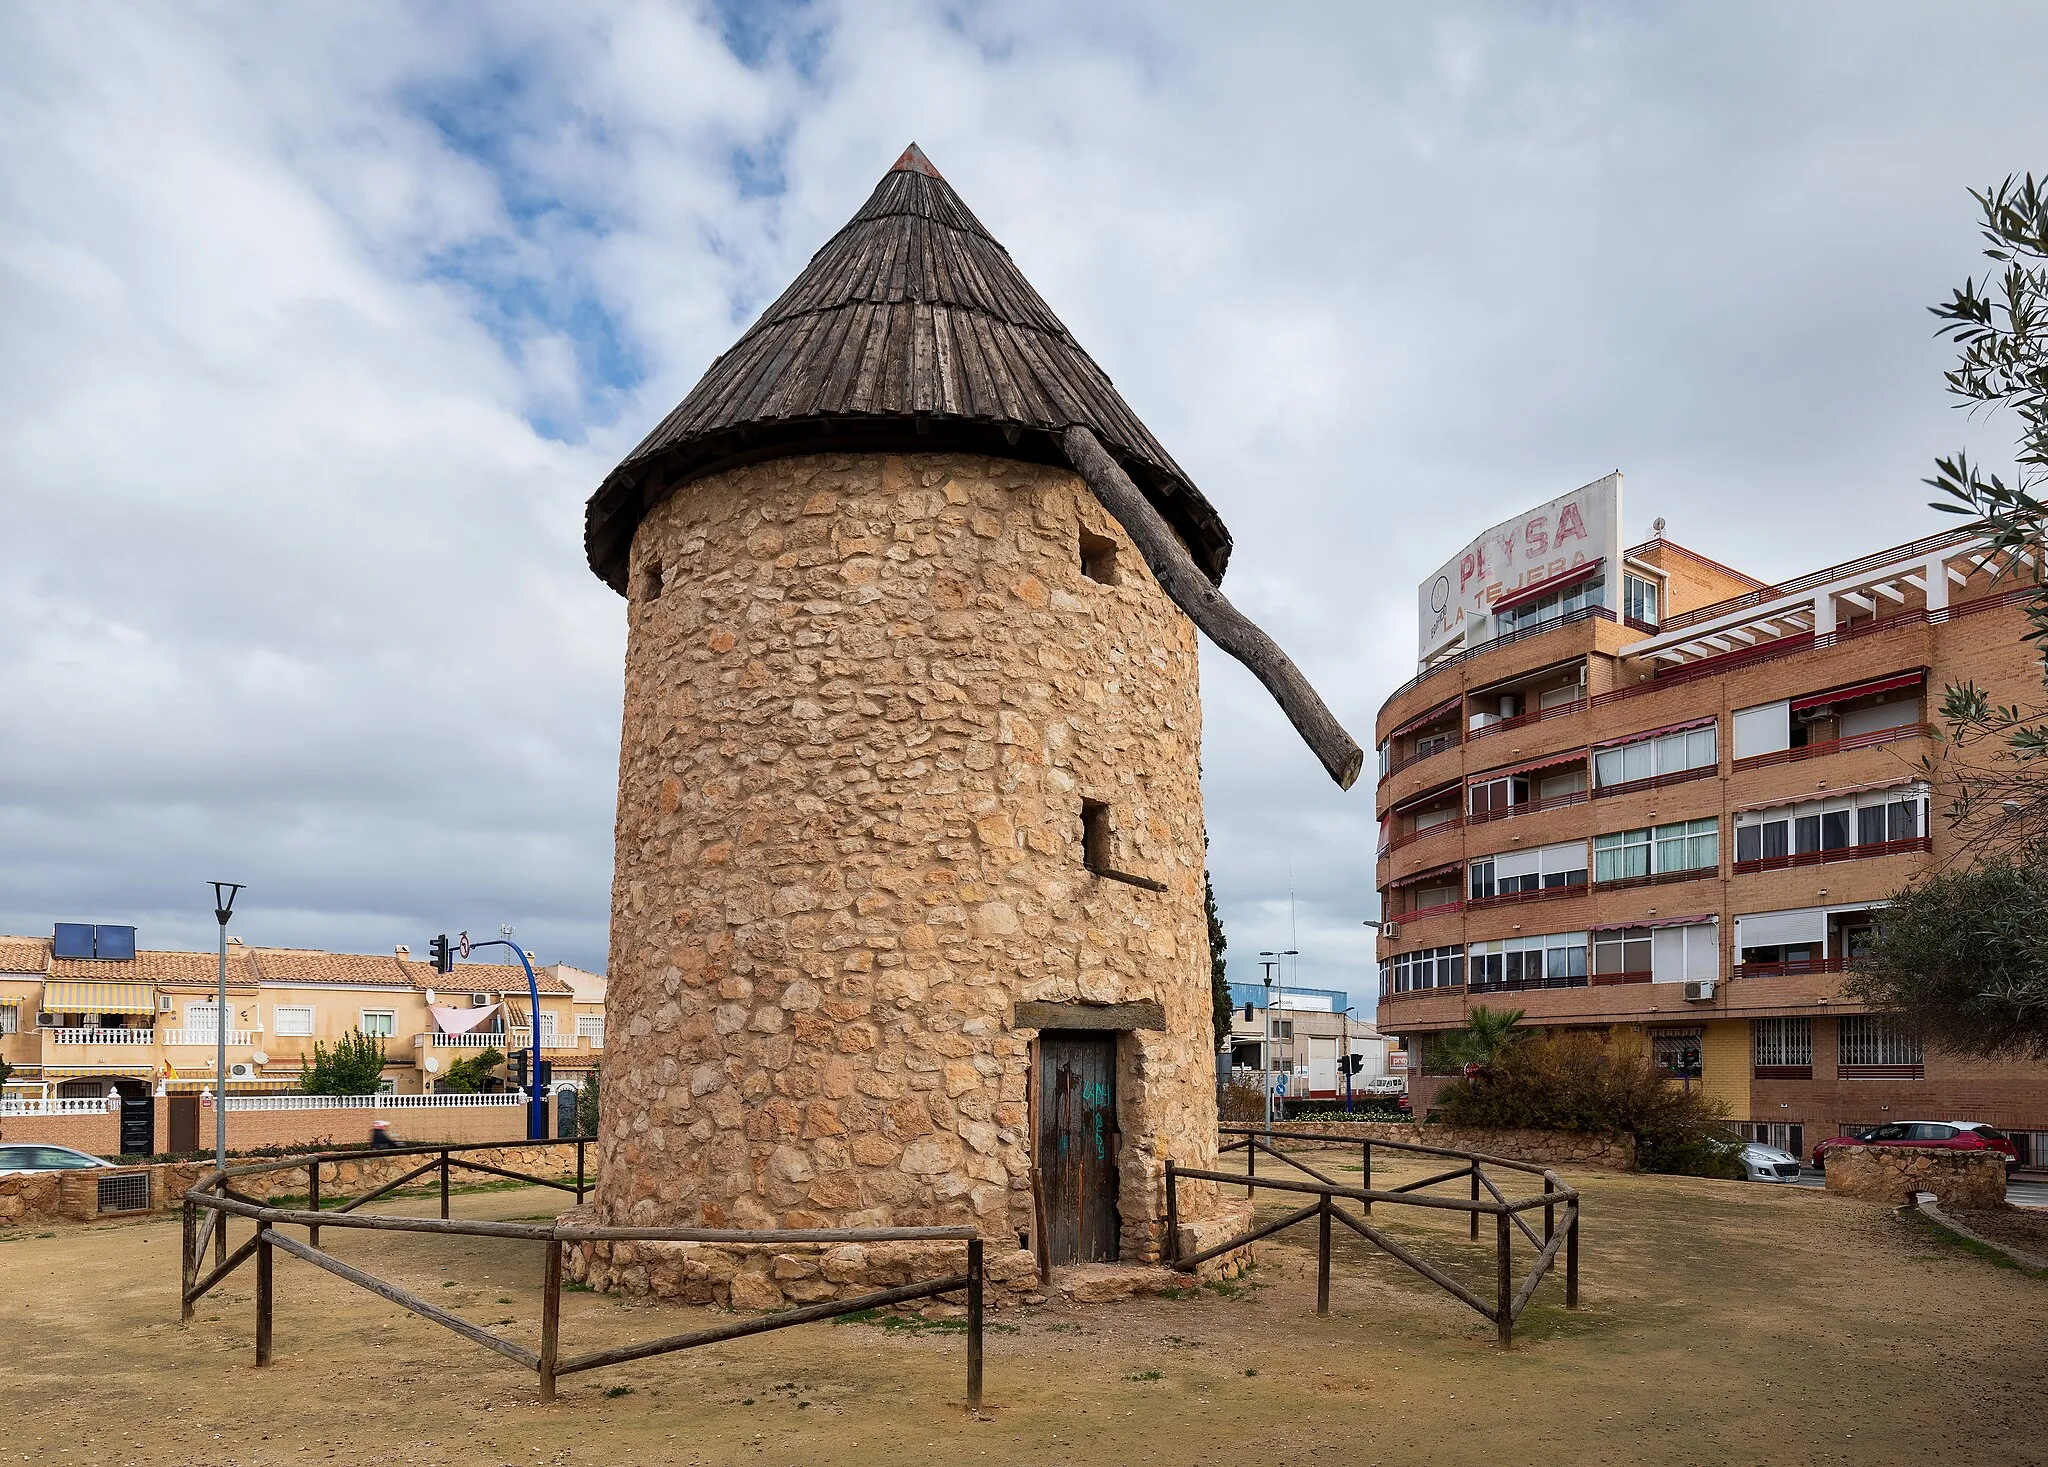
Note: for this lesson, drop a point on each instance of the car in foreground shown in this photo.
(1931, 1135)
(22, 1158)
(1761, 1163)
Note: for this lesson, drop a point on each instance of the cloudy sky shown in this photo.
(318, 324)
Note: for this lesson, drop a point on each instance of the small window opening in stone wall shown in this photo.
(1095, 836)
(650, 581)
(1098, 558)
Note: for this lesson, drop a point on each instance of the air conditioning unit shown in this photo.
(479, 1000)
(45, 1019)
(241, 1070)
(1699, 990)
(1390, 930)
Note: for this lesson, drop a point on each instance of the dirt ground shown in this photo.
(1724, 1323)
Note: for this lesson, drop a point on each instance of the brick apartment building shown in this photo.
(1637, 787)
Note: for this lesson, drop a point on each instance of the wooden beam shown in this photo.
(1119, 1017)
(1195, 594)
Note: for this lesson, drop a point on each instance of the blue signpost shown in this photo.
(536, 1103)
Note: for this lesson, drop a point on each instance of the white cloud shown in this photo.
(321, 323)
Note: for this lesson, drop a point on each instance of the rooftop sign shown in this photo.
(1516, 556)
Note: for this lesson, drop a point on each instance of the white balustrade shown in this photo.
(53, 1107)
(209, 1037)
(372, 1102)
(133, 1037)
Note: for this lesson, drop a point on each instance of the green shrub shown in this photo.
(586, 1106)
(467, 1076)
(1609, 1085)
(355, 1066)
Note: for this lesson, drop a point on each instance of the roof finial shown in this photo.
(914, 161)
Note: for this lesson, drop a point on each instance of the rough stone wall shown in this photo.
(1894, 1174)
(861, 717)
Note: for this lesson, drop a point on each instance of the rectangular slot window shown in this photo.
(1783, 1048)
(1094, 835)
(1098, 558)
(292, 1021)
(1873, 1047)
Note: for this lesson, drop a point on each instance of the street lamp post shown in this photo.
(536, 1112)
(224, 893)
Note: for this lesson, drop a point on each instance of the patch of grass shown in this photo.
(48, 1235)
(748, 1401)
(612, 1393)
(1930, 1231)
(504, 1301)
(577, 1286)
(1251, 1372)
(445, 1283)
(1143, 1375)
(907, 1324)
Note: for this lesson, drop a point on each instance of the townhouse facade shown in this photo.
(1635, 787)
(86, 1015)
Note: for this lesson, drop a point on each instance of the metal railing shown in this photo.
(1869, 740)
(1912, 550)
(1584, 613)
(1837, 853)
(1523, 720)
(215, 1197)
(1560, 1231)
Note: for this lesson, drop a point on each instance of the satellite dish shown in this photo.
(431, 1064)
(259, 1056)
(430, 996)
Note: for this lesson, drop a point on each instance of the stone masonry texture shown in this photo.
(862, 711)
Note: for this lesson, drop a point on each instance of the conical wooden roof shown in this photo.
(911, 331)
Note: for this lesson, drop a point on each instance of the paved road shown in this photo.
(2019, 1194)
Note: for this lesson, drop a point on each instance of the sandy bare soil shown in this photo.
(1725, 1323)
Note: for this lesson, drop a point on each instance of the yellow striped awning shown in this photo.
(236, 1086)
(78, 996)
(93, 1072)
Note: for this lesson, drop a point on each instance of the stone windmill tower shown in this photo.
(907, 919)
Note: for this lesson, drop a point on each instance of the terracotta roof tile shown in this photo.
(165, 969)
(310, 965)
(486, 978)
(24, 954)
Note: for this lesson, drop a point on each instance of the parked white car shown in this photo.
(1761, 1163)
(17, 1160)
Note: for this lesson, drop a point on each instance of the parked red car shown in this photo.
(1938, 1135)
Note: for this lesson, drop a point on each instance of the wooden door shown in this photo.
(1077, 1145)
(184, 1119)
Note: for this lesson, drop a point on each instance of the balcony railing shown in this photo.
(1835, 746)
(507, 1040)
(1524, 985)
(1839, 853)
(1440, 909)
(1456, 822)
(1516, 898)
(1584, 613)
(1606, 980)
(1523, 720)
(1659, 878)
(1793, 969)
(1898, 553)
(1396, 766)
(1527, 807)
(209, 1037)
(1656, 781)
(139, 1038)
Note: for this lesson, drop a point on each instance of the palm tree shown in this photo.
(1486, 1038)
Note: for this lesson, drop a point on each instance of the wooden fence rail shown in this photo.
(1559, 1203)
(214, 1198)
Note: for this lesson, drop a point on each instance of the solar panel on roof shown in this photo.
(114, 944)
(72, 940)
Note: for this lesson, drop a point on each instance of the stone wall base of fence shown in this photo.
(1893, 1174)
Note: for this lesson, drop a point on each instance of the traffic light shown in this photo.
(444, 955)
(1353, 1063)
(1247, 1013)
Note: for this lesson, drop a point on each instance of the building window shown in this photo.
(1098, 558)
(1094, 835)
(1512, 872)
(1656, 755)
(1558, 604)
(1280, 1028)
(1555, 961)
(1662, 850)
(1440, 967)
(10, 1019)
(292, 1021)
(1677, 1051)
(1843, 823)
(1639, 600)
(1875, 1047)
(547, 1031)
(591, 1027)
(1622, 955)
(1783, 1048)
(381, 1023)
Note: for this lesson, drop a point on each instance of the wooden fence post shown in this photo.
(1503, 1280)
(974, 1324)
(1549, 1214)
(1473, 1173)
(1323, 1257)
(1172, 1216)
(313, 1201)
(1367, 1183)
(1571, 1258)
(189, 1260)
(579, 1169)
(444, 1183)
(220, 1232)
(264, 1291)
(1251, 1163)
(550, 1317)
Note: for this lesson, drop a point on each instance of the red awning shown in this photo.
(1423, 720)
(1548, 761)
(1911, 679)
(1426, 798)
(1656, 733)
(1655, 922)
(1435, 873)
(1544, 587)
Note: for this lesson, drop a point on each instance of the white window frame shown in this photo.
(591, 1027)
(1626, 761)
(201, 1013)
(10, 1018)
(390, 1016)
(280, 1029)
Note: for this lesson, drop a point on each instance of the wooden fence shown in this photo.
(1560, 1229)
(215, 1197)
